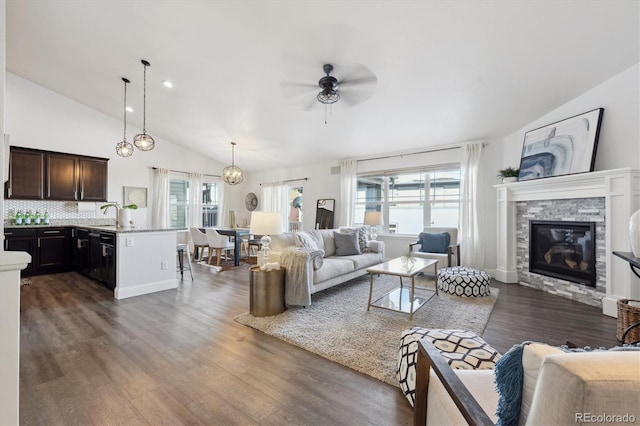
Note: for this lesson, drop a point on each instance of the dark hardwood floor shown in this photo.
(177, 357)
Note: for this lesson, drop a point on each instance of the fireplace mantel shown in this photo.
(621, 190)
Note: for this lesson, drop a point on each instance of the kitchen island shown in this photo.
(145, 259)
(131, 261)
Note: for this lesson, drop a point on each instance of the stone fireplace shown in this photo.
(563, 250)
(604, 200)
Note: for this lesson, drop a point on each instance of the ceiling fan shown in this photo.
(356, 84)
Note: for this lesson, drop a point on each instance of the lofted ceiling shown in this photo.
(447, 71)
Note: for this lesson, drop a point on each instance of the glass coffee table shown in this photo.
(403, 299)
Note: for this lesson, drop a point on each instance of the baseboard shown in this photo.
(506, 276)
(610, 306)
(138, 290)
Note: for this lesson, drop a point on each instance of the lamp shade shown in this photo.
(373, 218)
(265, 223)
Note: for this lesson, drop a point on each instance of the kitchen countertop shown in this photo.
(103, 228)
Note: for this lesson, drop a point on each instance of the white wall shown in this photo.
(619, 142)
(323, 184)
(36, 117)
(320, 184)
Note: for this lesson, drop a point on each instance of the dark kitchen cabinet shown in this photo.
(93, 179)
(52, 250)
(80, 250)
(36, 174)
(22, 240)
(48, 247)
(61, 177)
(26, 175)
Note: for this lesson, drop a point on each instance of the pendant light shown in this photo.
(124, 148)
(143, 141)
(232, 174)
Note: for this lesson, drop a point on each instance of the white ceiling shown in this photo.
(447, 71)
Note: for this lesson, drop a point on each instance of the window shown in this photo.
(210, 204)
(180, 205)
(411, 200)
(178, 202)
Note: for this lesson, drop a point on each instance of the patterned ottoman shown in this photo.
(463, 281)
(463, 350)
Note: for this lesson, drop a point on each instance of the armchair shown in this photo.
(558, 388)
(444, 257)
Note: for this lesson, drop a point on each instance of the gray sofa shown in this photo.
(312, 265)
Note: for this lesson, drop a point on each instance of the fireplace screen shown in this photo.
(564, 250)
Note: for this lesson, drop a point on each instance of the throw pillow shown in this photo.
(304, 240)
(346, 244)
(516, 374)
(434, 242)
(363, 236)
(508, 377)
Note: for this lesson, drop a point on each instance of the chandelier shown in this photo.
(232, 174)
(143, 141)
(124, 148)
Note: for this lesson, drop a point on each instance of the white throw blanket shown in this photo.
(298, 262)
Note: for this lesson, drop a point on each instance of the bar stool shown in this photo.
(182, 246)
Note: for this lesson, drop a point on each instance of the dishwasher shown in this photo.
(102, 258)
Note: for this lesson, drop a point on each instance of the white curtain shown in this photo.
(160, 213)
(348, 182)
(471, 246)
(275, 198)
(223, 208)
(195, 200)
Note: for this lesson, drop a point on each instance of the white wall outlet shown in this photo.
(128, 242)
(164, 265)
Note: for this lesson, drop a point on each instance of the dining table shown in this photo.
(235, 233)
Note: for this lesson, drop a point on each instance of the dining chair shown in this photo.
(200, 241)
(219, 243)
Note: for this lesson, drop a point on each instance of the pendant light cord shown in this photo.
(125, 112)
(144, 102)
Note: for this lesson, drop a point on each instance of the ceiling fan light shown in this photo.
(328, 96)
(144, 142)
(124, 149)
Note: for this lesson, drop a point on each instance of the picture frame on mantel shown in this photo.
(562, 148)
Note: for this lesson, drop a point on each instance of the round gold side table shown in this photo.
(266, 292)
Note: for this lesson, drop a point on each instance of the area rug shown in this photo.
(338, 327)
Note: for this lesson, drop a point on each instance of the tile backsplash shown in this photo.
(60, 212)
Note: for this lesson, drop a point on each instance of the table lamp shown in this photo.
(265, 224)
(374, 219)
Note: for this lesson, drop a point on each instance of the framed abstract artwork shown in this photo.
(562, 148)
(135, 195)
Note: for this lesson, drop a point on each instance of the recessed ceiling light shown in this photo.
(129, 109)
(167, 84)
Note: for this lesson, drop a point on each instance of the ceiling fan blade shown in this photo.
(358, 80)
(291, 89)
(313, 102)
(355, 97)
(355, 74)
